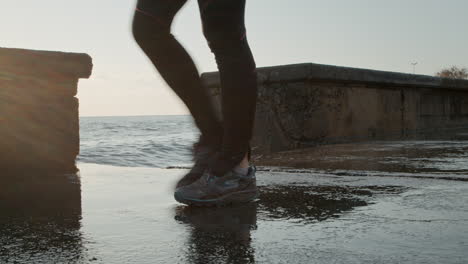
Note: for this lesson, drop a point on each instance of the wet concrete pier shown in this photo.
(392, 202)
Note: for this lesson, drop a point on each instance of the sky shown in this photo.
(373, 34)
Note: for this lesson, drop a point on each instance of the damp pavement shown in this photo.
(393, 202)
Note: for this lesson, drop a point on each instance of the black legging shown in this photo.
(224, 29)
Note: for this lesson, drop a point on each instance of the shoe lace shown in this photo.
(209, 177)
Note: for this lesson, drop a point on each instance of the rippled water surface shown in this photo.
(137, 141)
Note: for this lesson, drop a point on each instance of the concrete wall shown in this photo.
(308, 104)
(39, 126)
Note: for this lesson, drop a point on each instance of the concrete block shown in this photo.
(39, 125)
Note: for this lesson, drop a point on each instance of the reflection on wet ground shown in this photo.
(223, 235)
(40, 219)
(219, 235)
(310, 203)
(328, 214)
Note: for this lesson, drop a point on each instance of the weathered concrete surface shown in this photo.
(39, 127)
(369, 203)
(430, 159)
(308, 104)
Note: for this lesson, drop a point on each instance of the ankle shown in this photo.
(244, 163)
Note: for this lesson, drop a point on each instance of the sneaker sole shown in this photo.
(231, 198)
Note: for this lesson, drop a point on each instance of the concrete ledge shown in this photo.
(39, 127)
(321, 72)
(23, 63)
(302, 105)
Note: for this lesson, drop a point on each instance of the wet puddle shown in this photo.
(339, 211)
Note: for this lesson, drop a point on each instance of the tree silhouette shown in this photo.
(453, 72)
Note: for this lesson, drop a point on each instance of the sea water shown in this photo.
(138, 141)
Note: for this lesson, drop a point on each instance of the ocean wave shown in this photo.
(137, 141)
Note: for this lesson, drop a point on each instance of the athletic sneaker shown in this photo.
(203, 154)
(211, 190)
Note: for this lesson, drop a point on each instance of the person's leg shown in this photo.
(224, 29)
(152, 31)
(224, 182)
